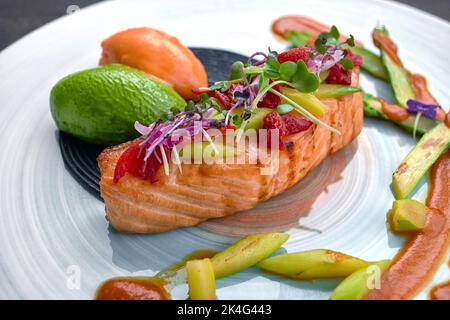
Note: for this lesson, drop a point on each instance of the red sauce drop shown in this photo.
(420, 257)
(393, 111)
(440, 291)
(132, 289)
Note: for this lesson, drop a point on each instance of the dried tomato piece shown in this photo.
(295, 124)
(338, 75)
(295, 55)
(270, 99)
(132, 161)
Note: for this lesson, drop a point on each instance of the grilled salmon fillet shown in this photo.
(205, 191)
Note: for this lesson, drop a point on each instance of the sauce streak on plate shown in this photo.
(145, 288)
(132, 289)
(441, 291)
(421, 256)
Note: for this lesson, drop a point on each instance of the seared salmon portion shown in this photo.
(205, 191)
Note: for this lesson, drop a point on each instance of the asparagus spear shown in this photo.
(201, 281)
(419, 160)
(246, 253)
(313, 264)
(355, 286)
(398, 75)
(327, 91)
(373, 108)
(371, 63)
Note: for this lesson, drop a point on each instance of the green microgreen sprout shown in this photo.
(287, 70)
(346, 63)
(235, 72)
(331, 38)
(237, 120)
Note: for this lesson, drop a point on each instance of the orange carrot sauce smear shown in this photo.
(441, 291)
(420, 257)
(447, 120)
(132, 289)
(145, 288)
(393, 111)
(388, 46)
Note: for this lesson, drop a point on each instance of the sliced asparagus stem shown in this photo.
(201, 280)
(313, 264)
(329, 91)
(355, 286)
(419, 160)
(398, 75)
(246, 253)
(372, 63)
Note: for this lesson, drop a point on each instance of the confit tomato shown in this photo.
(132, 161)
(295, 54)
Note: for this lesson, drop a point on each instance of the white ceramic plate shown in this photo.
(51, 230)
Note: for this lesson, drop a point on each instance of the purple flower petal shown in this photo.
(428, 110)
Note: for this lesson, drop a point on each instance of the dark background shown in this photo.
(19, 17)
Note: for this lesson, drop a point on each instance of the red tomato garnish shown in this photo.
(132, 161)
(295, 54)
(357, 60)
(338, 75)
(294, 124)
(270, 100)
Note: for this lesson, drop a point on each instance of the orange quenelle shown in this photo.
(158, 54)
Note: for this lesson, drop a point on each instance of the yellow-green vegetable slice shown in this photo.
(201, 280)
(313, 264)
(398, 75)
(307, 100)
(407, 215)
(419, 160)
(246, 253)
(371, 63)
(329, 91)
(355, 286)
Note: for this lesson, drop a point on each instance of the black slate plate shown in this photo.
(80, 158)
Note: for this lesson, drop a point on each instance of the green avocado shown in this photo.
(101, 105)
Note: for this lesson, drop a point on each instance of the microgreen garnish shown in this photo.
(303, 80)
(237, 120)
(347, 63)
(287, 70)
(329, 52)
(236, 68)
